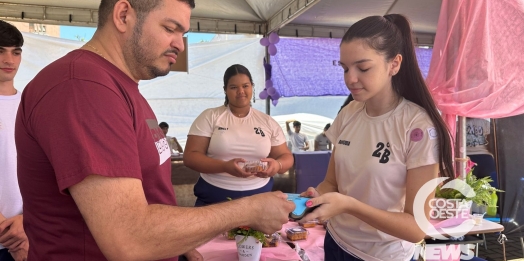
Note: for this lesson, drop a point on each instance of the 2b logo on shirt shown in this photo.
(383, 155)
(259, 132)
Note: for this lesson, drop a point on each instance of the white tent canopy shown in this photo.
(179, 98)
(299, 18)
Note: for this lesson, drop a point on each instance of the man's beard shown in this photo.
(139, 58)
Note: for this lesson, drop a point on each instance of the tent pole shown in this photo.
(460, 152)
(268, 100)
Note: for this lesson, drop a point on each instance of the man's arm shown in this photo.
(179, 148)
(126, 227)
(329, 145)
(306, 146)
(316, 145)
(288, 129)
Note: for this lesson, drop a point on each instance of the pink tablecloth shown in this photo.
(222, 249)
(314, 245)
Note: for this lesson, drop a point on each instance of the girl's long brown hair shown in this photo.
(391, 35)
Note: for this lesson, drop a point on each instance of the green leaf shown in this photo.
(481, 187)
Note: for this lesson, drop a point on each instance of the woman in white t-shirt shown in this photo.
(221, 139)
(389, 142)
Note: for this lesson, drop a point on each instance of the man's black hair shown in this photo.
(10, 36)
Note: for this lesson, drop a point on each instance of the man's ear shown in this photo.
(124, 16)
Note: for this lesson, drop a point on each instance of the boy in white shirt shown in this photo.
(298, 140)
(13, 241)
(172, 141)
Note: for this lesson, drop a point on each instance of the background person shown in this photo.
(478, 147)
(346, 102)
(321, 140)
(220, 138)
(172, 141)
(13, 240)
(98, 187)
(298, 140)
(389, 142)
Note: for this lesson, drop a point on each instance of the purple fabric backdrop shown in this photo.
(308, 67)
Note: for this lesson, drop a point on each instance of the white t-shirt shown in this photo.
(477, 131)
(172, 145)
(250, 138)
(10, 198)
(372, 157)
(298, 140)
(322, 141)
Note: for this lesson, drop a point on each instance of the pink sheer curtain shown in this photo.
(477, 68)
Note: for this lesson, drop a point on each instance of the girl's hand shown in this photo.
(234, 169)
(329, 205)
(272, 168)
(311, 192)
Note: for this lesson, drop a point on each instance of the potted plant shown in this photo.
(249, 242)
(482, 188)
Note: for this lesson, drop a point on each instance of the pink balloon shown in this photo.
(274, 38)
(275, 102)
(272, 49)
(269, 84)
(271, 91)
(263, 95)
(264, 41)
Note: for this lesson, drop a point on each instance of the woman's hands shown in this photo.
(272, 168)
(329, 205)
(234, 169)
(311, 192)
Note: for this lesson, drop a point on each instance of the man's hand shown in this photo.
(13, 233)
(269, 211)
(193, 255)
(21, 253)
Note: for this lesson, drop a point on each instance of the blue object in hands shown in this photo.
(300, 206)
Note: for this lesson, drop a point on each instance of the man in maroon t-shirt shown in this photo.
(93, 165)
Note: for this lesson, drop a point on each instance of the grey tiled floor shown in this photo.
(495, 250)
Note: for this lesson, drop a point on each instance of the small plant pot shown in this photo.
(249, 249)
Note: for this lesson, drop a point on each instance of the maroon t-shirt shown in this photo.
(82, 115)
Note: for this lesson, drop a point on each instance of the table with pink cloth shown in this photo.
(222, 249)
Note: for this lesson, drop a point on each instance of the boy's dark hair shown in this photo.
(296, 123)
(10, 36)
(142, 8)
(163, 125)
